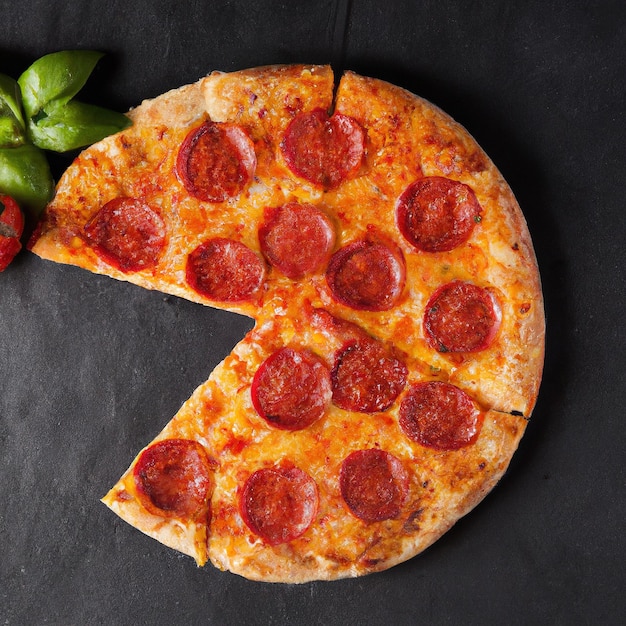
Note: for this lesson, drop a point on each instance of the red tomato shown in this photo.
(11, 228)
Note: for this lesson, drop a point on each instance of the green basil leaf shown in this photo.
(11, 120)
(74, 125)
(11, 134)
(56, 77)
(25, 176)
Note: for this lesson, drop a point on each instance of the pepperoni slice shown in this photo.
(439, 415)
(225, 270)
(279, 503)
(437, 214)
(296, 238)
(367, 275)
(367, 378)
(461, 317)
(374, 484)
(291, 389)
(174, 477)
(127, 233)
(216, 161)
(323, 150)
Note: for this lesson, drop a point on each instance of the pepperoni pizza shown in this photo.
(399, 336)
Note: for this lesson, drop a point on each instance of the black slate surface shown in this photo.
(91, 369)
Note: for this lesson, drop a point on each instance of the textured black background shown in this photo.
(91, 369)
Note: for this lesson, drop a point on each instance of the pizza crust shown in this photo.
(406, 138)
(187, 537)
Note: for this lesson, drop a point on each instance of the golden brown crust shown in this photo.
(406, 138)
(185, 536)
(267, 98)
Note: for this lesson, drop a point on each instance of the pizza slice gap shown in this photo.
(168, 490)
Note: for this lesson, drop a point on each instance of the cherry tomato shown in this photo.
(11, 228)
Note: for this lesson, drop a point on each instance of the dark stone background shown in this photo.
(91, 369)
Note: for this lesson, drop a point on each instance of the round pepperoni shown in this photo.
(296, 238)
(174, 477)
(367, 378)
(127, 233)
(461, 317)
(216, 161)
(279, 504)
(291, 389)
(225, 270)
(439, 415)
(374, 484)
(323, 150)
(367, 275)
(437, 214)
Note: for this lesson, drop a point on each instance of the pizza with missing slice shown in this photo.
(398, 343)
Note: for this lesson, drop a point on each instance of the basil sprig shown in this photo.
(38, 112)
